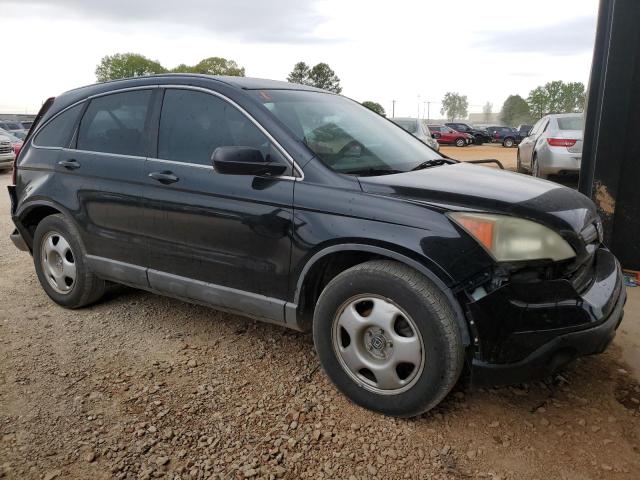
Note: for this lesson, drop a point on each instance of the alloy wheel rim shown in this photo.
(378, 344)
(58, 262)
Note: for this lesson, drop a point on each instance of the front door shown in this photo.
(220, 239)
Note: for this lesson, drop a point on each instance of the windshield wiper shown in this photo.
(436, 162)
(370, 172)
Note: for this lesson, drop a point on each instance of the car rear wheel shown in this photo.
(460, 142)
(59, 260)
(535, 168)
(388, 338)
(519, 167)
(508, 142)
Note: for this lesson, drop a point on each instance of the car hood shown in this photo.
(464, 186)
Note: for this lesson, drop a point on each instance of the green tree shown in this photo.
(322, 76)
(299, 74)
(218, 66)
(487, 110)
(124, 65)
(454, 106)
(556, 97)
(515, 111)
(574, 97)
(375, 106)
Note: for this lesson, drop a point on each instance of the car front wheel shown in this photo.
(508, 142)
(460, 142)
(388, 338)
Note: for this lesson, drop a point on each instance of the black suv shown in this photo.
(480, 135)
(300, 207)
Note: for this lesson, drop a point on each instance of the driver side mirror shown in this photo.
(244, 161)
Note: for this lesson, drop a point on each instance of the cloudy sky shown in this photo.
(401, 50)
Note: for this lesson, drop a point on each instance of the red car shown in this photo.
(447, 135)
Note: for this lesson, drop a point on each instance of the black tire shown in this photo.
(478, 140)
(535, 168)
(86, 287)
(508, 142)
(430, 311)
(460, 142)
(519, 167)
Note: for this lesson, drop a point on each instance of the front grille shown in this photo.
(5, 148)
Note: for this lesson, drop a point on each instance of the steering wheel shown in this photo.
(350, 144)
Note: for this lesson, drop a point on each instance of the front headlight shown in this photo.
(511, 239)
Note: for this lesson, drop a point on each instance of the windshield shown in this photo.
(344, 135)
(571, 123)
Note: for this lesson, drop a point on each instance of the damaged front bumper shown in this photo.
(528, 330)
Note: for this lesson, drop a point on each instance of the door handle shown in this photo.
(69, 164)
(165, 177)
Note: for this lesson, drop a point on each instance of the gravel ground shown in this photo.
(140, 386)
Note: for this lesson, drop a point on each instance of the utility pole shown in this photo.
(418, 106)
(428, 102)
(393, 109)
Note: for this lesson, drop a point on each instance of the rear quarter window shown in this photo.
(57, 133)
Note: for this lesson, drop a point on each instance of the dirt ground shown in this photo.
(495, 151)
(140, 386)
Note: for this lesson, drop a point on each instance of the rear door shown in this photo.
(525, 148)
(101, 177)
(221, 239)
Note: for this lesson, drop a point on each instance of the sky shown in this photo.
(410, 51)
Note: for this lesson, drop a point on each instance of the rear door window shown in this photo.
(116, 124)
(57, 133)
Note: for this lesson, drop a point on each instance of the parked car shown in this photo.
(480, 135)
(447, 135)
(12, 126)
(16, 143)
(303, 208)
(507, 136)
(554, 146)
(7, 155)
(26, 124)
(524, 129)
(418, 128)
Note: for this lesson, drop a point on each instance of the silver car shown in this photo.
(6, 153)
(418, 128)
(553, 146)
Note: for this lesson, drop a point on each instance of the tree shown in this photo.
(218, 66)
(454, 105)
(322, 76)
(487, 110)
(556, 97)
(538, 103)
(515, 111)
(299, 74)
(124, 65)
(376, 107)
